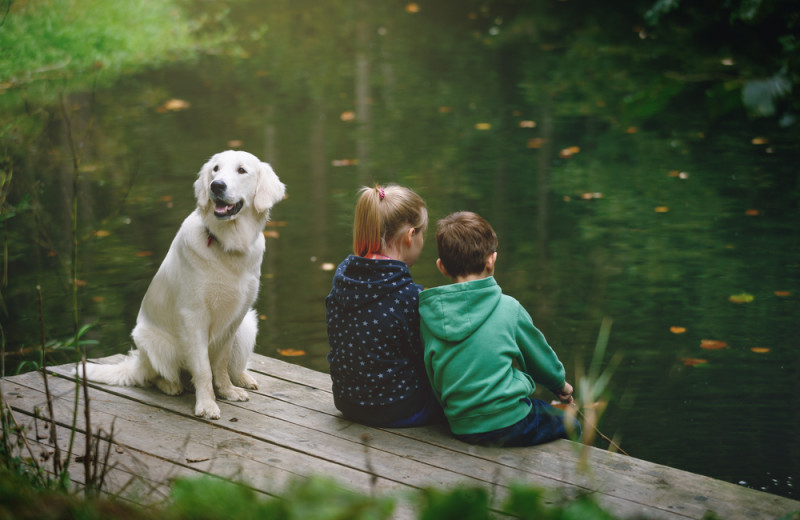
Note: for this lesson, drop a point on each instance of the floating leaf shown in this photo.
(483, 126)
(348, 115)
(783, 294)
(679, 174)
(712, 344)
(290, 352)
(661, 209)
(327, 266)
(741, 298)
(693, 362)
(569, 152)
(445, 110)
(590, 196)
(677, 330)
(752, 212)
(344, 162)
(173, 105)
(101, 233)
(527, 124)
(760, 140)
(262, 317)
(144, 253)
(235, 143)
(631, 130)
(165, 198)
(271, 234)
(412, 7)
(535, 142)
(760, 350)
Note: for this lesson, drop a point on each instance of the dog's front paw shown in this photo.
(245, 380)
(233, 394)
(208, 409)
(169, 387)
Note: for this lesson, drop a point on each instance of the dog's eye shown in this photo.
(241, 170)
(216, 168)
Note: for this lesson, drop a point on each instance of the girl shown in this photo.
(373, 317)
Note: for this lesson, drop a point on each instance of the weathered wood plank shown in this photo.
(290, 428)
(609, 474)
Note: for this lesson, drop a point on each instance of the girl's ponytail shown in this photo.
(381, 212)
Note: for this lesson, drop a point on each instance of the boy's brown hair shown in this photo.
(464, 240)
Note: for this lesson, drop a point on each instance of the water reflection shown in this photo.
(654, 227)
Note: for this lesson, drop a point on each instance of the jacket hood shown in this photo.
(361, 281)
(454, 312)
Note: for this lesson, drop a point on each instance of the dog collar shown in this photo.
(211, 237)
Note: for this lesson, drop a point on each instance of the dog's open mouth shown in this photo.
(223, 210)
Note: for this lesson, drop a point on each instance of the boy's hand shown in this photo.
(565, 394)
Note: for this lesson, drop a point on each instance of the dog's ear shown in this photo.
(269, 189)
(201, 185)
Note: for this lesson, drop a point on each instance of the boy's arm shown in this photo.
(540, 361)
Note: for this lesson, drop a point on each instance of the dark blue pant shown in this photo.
(543, 424)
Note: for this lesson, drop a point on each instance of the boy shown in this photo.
(482, 351)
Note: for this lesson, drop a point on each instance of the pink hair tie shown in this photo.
(381, 193)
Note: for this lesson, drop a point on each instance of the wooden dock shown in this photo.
(290, 429)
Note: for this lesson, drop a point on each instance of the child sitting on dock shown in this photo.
(482, 351)
(373, 316)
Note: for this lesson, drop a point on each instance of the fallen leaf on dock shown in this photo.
(290, 352)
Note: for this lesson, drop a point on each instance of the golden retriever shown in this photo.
(197, 314)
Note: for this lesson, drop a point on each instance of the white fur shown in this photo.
(197, 313)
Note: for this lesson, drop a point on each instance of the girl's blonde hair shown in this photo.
(381, 212)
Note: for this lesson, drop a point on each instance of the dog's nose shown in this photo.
(218, 187)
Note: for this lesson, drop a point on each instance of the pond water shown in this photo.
(679, 230)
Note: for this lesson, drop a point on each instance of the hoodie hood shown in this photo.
(453, 312)
(360, 282)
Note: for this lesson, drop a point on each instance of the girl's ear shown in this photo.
(269, 189)
(201, 185)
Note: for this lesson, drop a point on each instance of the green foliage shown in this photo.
(530, 504)
(209, 498)
(461, 503)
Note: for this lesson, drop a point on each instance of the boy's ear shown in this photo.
(490, 261)
(440, 267)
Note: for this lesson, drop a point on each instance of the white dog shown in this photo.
(197, 313)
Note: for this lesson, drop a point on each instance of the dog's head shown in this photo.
(233, 181)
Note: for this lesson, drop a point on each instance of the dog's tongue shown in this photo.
(222, 209)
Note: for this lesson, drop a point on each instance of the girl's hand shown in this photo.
(565, 394)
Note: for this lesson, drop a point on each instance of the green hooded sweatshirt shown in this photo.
(483, 354)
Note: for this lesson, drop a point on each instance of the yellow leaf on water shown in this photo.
(760, 140)
(783, 294)
(527, 124)
(712, 344)
(412, 7)
(661, 209)
(483, 126)
(173, 105)
(348, 115)
(741, 298)
(760, 350)
(144, 253)
(569, 152)
(100, 233)
(235, 143)
(752, 212)
(677, 330)
(271, 234)
(692, 362)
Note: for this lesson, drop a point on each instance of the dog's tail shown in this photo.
(133, 370)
